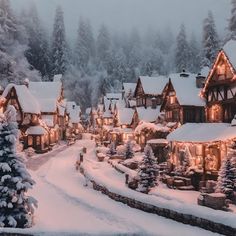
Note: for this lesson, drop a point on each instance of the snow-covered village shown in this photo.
(117, 117)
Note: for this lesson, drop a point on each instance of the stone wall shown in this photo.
(170, 214)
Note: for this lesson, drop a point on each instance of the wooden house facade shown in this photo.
(148, 91)
(220, 87)
(181, 101)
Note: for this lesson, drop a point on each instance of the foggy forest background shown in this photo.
(99, 61)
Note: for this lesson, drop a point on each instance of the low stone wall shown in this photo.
(170, 214)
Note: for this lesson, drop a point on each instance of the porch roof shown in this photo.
(203, 132)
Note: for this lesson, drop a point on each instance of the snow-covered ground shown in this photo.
(68, 207)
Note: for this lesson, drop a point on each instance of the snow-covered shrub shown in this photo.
(16, 208)
(148, 171)
(129, 153)
(112, 149)
(120, 150)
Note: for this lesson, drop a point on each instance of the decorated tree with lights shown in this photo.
(129, 153)
(148, 171)
(16, 208)
(227, 174)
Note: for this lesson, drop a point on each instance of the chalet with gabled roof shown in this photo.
(33, 131)
(182, 102)
(220, 87)
(148, 91)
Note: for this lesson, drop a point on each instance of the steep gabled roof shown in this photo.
(129, 88)
(152, 85)
(148, 114)
(28, 102)
(186, 90)
(125, 116)
(46, 90)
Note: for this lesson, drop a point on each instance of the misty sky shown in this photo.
(123, 15)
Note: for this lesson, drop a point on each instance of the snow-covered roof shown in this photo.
(132, 103)
(148, 114)
(230, 49)
(157, 141)
(125, 116)
(48, 105)
(203, 132)
(107, 114)
(46, 90)
(36, 130)
(129, 88)
(150, 126)
(186, 91)
(114, 96)
(27, 101)
(57, 78)
(153, 85)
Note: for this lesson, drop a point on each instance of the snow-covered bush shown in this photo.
(129, 153)
(120, 150)
(148, 171)
(112, 149)
(16, 208)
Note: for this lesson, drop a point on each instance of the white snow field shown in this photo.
(68, 207)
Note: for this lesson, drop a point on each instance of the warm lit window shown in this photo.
(30, 141)
(38, 140)
(172, 99)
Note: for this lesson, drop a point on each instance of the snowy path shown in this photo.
(67, 207)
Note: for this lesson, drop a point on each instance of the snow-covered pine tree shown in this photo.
(194, 55)
(232, 23)
(148, 171)
(129, 153)
(103, 47)
(112, 149)
(182, 51)
(59, 54)
(226, 178)
(37, 53)
(16, 208)
(82, 51)
(210, 41)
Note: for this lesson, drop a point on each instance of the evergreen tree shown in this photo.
(232, 23)
(16, 208)
(59, 46)
(38, 51)
(82, 49)
(112, 149)
(194, 55)
(227, 177)
(103, 48)
(148, 171)
(129, 153)
(182, 51)
(210, 41)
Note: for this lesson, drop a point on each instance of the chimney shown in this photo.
(184, 74)
(154, 103)
(200, 80)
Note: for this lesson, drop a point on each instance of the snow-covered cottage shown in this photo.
(49, 96)
(34, 132)
(198, 149)
(220, 87)
(182, 102)
(148, 91)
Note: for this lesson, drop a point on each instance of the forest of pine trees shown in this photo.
(94, 63)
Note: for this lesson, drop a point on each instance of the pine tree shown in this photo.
(112, 149)
(16, 208)
(148, 171)
(38, 50)
(59, 46)
(129, 153)
(227, 178)
(210, 41)
(103, 48)
(82, 48)
(182, 51)
(232, 23)
(194, 55)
